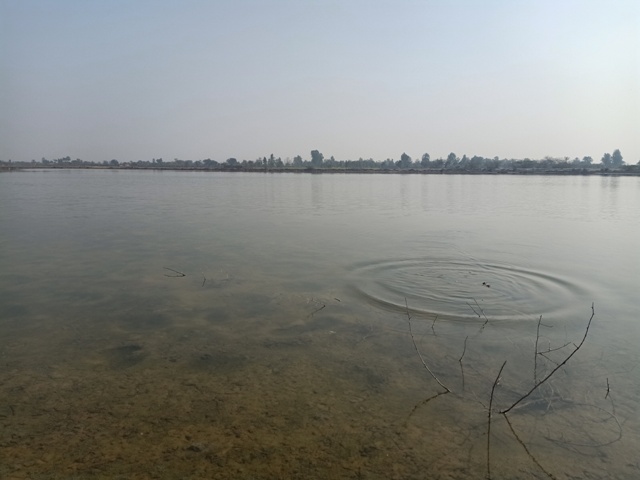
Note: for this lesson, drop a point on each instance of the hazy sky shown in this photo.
(133, 80)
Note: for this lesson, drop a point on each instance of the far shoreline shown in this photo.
(318, 171)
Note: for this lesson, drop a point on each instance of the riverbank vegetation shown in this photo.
(610, 163)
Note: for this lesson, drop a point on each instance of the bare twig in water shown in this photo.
(433, 324)
(423, 402)
(486, 320)
(418, 351)
(204, 279)
(493, 388)
(474, 310)
(317, 310)
(608, 389)
(178, 274)
(592, 445)
(535, 353)
(549, 349)
(535, 387)
(464, 349)
(533, 459)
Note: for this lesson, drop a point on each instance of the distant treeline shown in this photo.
(609, 162)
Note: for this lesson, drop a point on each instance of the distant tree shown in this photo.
(452, 160)
(114, 163)
(476, 162)
(316, 158)
(587, 160)
(606, 160)
(438, 163)
(331, 162)
(388, 164)
(297, 161)
(426, 159)
(232, 162)
(405, 161)
(616, 159)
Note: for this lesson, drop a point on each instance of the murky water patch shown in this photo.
(464, 289)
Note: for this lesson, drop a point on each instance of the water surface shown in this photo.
(220, 325)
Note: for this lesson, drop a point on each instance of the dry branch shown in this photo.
(535, 386)
(464, 349)
(493, 388)
(423, 402)
(418, 351)
(179, 274)
(535, 356)
(486, 320)
(533, 459)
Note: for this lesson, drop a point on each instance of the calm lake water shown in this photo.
(218, 325)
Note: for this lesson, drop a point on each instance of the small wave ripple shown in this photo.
(465, 289)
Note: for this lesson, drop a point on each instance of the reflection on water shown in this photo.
(284, 350)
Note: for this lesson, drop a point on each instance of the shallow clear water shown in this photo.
(172, 324)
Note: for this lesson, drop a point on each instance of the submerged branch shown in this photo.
(533, 459)
(464, 349)
(423, 402)
(535, 386)
(486, 320)
(493, 388)
(179, 274)
(535, 356)
(418, 351)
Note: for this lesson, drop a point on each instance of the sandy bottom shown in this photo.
(293, 386)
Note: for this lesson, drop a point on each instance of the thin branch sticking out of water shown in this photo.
(474, 310)
(549, 349)
(535, 356)
(479, 312)
(317, 309)
(486, 320)
(464, 350)
(493, 388)
(418, 351)
(178, 274)
(535, 386)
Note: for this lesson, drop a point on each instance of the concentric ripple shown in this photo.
(465, 289)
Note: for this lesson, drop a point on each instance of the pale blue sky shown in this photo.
(134, 80)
